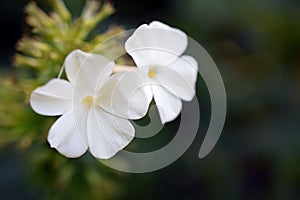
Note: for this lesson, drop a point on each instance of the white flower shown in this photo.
(156, 49)
(94, 111)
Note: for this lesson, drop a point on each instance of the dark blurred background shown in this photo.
(256, 45)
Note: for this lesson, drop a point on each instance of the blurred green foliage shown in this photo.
(256, 45)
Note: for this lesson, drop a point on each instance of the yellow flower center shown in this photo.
(152, 72)
(88, 100)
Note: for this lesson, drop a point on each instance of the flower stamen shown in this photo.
(152, 72)
(88, 100)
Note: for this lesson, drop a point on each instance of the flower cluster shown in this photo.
(96, 105)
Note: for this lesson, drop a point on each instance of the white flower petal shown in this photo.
(168, 105)
(160, 25)
(68, 134)
(87, 71)
(54, 98)
(107, 134)
(180, 77)
(126, 95)
(156, 44)
(186, 66)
